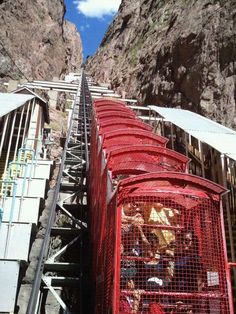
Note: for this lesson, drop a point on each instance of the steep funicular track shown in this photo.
(64, 273)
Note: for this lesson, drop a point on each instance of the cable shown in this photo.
(9, 55)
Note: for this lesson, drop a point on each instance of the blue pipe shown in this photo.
(13, 202)
(1, 215)
(7, 182)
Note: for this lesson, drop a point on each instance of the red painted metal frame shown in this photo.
(129, 137)
(107, 108)
(139, 159)
(116, 115)
(157, 185)
(115, 124)
(103, 102)
(117, 110)
(117, 260)
(172, 179)
(227, 264)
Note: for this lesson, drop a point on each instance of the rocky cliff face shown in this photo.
(36, 41)
(173, 53)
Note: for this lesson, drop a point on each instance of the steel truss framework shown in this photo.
(64, 272)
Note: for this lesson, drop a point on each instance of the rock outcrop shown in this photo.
(173, 53)
(35, 40)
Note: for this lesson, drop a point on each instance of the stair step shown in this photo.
(59, 266)
(65, 231)
(63, 281)
(66, 186)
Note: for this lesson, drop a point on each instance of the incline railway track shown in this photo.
(121, 190)
(64, 273)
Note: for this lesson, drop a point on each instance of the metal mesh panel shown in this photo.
(168, 260)
(117, 124)
(102, 116)
(145, 158)
(127, 137)
(94, 146)
(108, 108)
(95, 195)
(104, 227)
(104, 102)
(174, 182)
(110, 255)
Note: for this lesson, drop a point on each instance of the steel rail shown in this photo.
(44, 249)
(85, 121)
(85, 155)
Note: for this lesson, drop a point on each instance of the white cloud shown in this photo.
(97, 8)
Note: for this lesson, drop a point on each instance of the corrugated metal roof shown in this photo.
(207, 131)
(27, 91)
(10, 102)
(43, 103)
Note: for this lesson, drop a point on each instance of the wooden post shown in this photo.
(201, 158)
(171, 133)
(19, 131)
(6, 118)
(10, 141)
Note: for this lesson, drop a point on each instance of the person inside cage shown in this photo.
(131, 218)
(128, 265)
(157, 213)
(156, 271)
(188, 267)
(128, 303)
(132, 214)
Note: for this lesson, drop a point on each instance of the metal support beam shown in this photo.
(57, 297)
(70, 193)
(19, 131)
(228, 214)
(201, 158)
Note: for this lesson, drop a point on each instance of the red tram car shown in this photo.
(157, 232)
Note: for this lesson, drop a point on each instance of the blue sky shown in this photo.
(92, 18)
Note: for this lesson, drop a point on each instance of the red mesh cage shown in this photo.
(104, 102)
(116, 124)
(139, 159)
(103, 117)
(160, 248)
(171, 253)
(95, 146)
(125, 137)
(173, 180)
(108, 108)
(110, 268)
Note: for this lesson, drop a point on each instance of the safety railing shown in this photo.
(24, 166)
